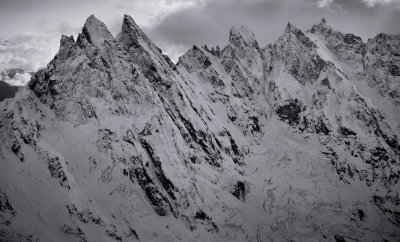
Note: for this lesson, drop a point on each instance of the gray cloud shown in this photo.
(210, 23)
(372, 3)
(17, 80)
(329, 4)
(27, 51)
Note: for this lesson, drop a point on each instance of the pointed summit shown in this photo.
(242, 36)
(96, 32)
(288, 28)
(129, 22)
(131, 34)
(140, 48)
(130, 28)
(321, 27)
(66, 43)
(66, 40)
(294, 35)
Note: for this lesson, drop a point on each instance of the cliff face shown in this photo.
(296, 140)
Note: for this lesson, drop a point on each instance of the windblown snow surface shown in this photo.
(296, 141)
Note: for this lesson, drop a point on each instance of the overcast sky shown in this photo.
(30, 29)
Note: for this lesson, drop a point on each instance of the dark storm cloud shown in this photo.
(211, 23)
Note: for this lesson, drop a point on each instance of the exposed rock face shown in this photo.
(371, 66)
(243, 143)
(382, 65)
(348, 48)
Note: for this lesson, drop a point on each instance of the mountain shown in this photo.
(7, 91)
(297, 140)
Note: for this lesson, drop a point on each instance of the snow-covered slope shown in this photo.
(112, 141)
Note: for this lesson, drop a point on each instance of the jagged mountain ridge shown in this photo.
(245, 143)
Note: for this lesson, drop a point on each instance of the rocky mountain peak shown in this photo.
(348, 47)
(322, 27)
(298, 53)
(331, 34)
(293, 36)
(242, 36)
(131, 36)
(129, 30)
(289, 27)
(96, 32)
(292, 30)
(129, 24)
(66, 43)
(144, 52)
(66, 40)
(382, 63)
